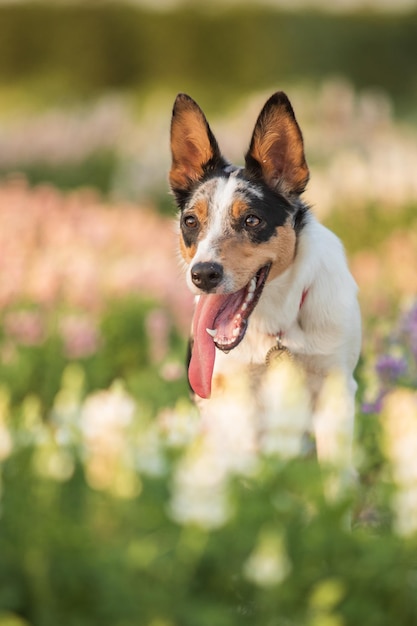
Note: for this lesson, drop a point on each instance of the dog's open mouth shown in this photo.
(220, 320)
(232, 312)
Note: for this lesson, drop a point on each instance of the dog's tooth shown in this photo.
(235, 332)
(212, 332)
(252, 285)
(244, 306)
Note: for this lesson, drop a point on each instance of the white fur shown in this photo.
(221, 192)
(324, 334)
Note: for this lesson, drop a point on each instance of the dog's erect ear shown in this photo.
(193, 146)
(276, 151)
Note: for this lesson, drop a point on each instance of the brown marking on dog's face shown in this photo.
(286, 242)
(242, 258)
(190, 235)
(187, 252)
(239, 208)
(200, 210)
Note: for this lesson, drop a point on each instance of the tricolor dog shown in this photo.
(267, 276)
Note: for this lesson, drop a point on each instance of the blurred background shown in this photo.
(91, 288)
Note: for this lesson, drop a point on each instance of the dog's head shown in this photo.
(238, 226)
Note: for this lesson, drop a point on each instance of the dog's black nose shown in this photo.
(206, 276)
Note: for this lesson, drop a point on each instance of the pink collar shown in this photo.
(303, 297)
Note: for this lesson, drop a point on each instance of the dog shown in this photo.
(269, 279)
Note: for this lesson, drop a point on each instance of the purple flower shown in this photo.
(391, 368)
(374, 406)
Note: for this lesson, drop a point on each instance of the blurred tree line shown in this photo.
(80, 50)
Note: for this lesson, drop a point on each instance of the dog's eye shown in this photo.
(190, 221)
(252, 221)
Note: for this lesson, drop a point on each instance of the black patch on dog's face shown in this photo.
(271, 208)
(189, 233)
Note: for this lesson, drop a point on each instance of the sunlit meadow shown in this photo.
(115, 506)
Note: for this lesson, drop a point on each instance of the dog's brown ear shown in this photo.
(276, 151)
(193, 146)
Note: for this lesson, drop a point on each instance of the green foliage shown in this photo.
(126, 353)
(75, 50)
(96, 171)
(77, 554)
(367, 227)
(114, 510)
(122, 349)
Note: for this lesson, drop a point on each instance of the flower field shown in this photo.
(115, 509)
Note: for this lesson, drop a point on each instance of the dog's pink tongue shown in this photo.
(200, 370)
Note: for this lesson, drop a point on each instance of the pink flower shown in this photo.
(26, 327)
(80, 336)
(158, 329)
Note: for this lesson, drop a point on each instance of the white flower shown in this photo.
(400, 443)
(200, 493)
(229, 426)
(286, 411)
(333, 421)
(400, 434)
(67, 404)
(333, 425)
(105, 423)
(404, 505)
(148, 453)
(269, 563)
(106, 413)
(226, 446)
(179, 426)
